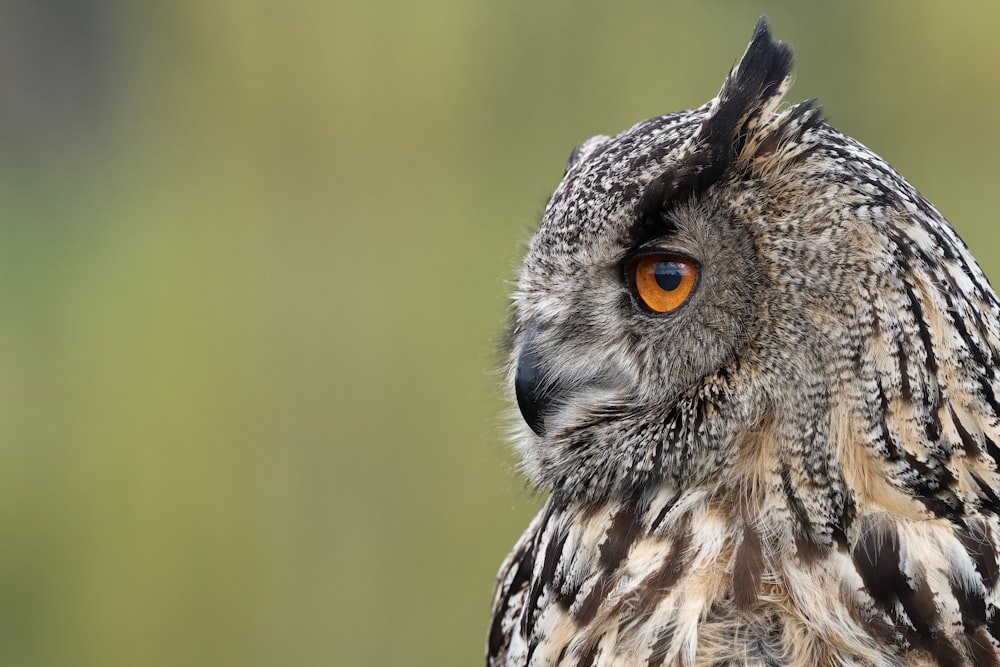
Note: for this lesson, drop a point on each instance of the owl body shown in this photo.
(757, 376)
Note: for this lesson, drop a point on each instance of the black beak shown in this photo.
(534, 395)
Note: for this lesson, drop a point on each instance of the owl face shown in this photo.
(645, 284)
(727, 270)
(622, 310)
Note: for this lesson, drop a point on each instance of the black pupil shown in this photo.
(668, 275)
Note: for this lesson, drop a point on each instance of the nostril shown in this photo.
(532, 398)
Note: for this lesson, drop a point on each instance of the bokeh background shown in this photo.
(254, 259)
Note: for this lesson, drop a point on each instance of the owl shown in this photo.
(757, 380)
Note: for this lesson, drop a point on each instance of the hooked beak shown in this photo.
(535, 394)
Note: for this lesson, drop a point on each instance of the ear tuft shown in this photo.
(752, 91)
(753, 88)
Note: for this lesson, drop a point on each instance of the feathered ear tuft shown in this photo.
(754, 87)
(752, 91)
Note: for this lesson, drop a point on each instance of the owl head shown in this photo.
(740, 298)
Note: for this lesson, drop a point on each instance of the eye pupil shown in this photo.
(668, 275)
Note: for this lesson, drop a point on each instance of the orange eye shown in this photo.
(661, 281)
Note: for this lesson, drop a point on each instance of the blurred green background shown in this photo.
(254, 259)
